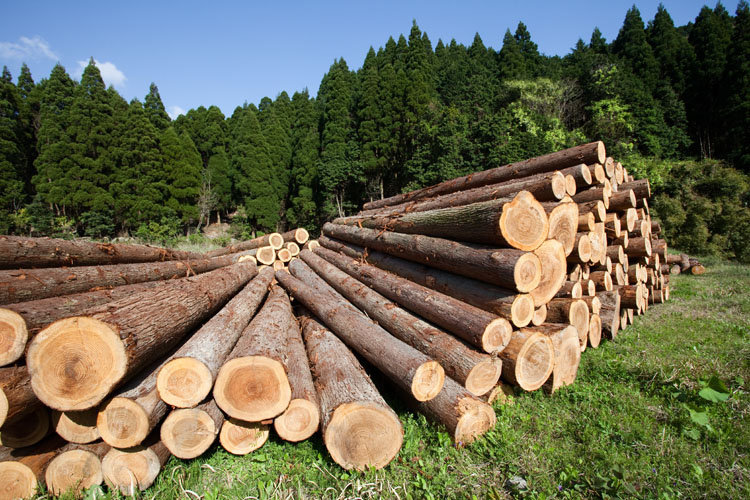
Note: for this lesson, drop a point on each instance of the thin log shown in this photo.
(573, 312)
(76, 468)
(299, 236)
(189, 432)
(595, 207)
(581, 249)
(76, 426)
(528, 359)
(29, 430)
(292, 247)
(274, 240)
(551, 254)
(240, 438)
(597, 173)
(134, 469)
(595, 331)
(570, 289)
(580, 173)
(16, 396)
(565, 341)
(622, 200)
(639, 247)
(641, 188)
(540, 315)
(610, 313)
(602, 279)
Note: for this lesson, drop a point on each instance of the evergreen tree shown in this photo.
(154, 107)
(672, 50)
(305, 147)
(370, 113)
(529, 51)
(11, 154)
(182, 164)
(598, 43)
(28, 105)
(632, 46)
(511, 61)
(275, 122)
(737, 111)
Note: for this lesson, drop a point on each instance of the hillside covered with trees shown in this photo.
(672, 103)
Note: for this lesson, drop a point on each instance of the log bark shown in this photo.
(528, 359)
(16, 396)
(274, 240)
(134, 469)
(476, 326)
(76, 426)
(299, 236)
(187, 379)
(240, 438)
(551, 254)
(359, 429)
(76, 468)
(516, 308)
(21, 252)
(189, 432)
(610, 313)
(252, 384)
(476, 371)
(27, 431)
(588, 153)
(75, 362)
(602, 279)
(508, 268)
(565, 341)
(22, 470)
(573, 312)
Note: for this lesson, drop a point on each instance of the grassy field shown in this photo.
(661, 412)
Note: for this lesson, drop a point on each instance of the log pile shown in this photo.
(114, 359)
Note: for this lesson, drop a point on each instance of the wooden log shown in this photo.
(601, 193)
(621, 278)
(299, 236)
(75, 362)
(595, 331)
(631, 296)
(580, 173)
(311, 245)
(639, 247)
(641, 188)
(565, 341)
(76, 468)
(508, 268)
(502, 393)
(659, 247)
(240, 438)
(595, 207)
(551, 254)
(616, 253)
(76, 426)
(21, 252)
(134, 469)
(411, 370)
(476, 371)
(528, 359)
(265, 255)
(628, 220)
(252, 384)
(610, 313)
(273, 240)
(516, 308)
(586, 222)
(13, 337)
(622, 200)
(597, 173)
(570, 289)
(278, 265)
(570, 185)
(27, 431)
(587, 153)
(476, 326)
(22, 470)
(540, 315)
(187, 379)
(189, 432)
(598, 246)
(284, 255)
(292, 247)
(359, 429)
(573, 312)
(582, 249)
(602, 279)
(16, 396)
(563, 225)
(697, 269)
(612, 225)
(609, 167)
(590, 288)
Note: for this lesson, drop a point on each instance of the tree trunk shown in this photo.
(528, 359)
(187, 379)
(565, 341)
(76, 468)
(240, 438)
(134, 469)
(508, 268)
(551, 254)
(16, 396)
(274, 240)
(26, 431)
(299, 235)
(21, 252)
(252, 384)
(22, 470)
(76, 426)
(563, 225)
(359, 429)
(476, 371)
(411, 370)
(516, 308)
(610, 313)
(189, 432)
(75, 362)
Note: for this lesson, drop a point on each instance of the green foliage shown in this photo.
(164, 232)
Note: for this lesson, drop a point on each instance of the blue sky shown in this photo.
(228, 53)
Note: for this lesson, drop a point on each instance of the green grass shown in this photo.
(624, 429)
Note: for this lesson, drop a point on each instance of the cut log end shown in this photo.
(301, 235)
(362, 435)
(13, 336)
(527, 272)
(535, 362)
(540, 315)
(298, 422)
(4, 406)
(595, 331)
(551, 255)
(252, 388)
(484, 376)
(275, 240)
(266, 255)
(123, 423)
(580, 317)
(570, 185)
(497, 335)
(284, 255)
(16, 480)
(559, 186)
(188, 432)
(522, 310)
(428, 381)
(563, 225)
(567, 357)
(29, 430)
(184, 382)
(524, 223)
(73, 470)
(601, 152)
(240, 438)
(76, 426)
(248, 258)
(132, 470)
(477, 417)
(75, 362)
(501, 393)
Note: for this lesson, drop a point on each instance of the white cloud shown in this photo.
(110, 74)
(27, 48)
(175, 111)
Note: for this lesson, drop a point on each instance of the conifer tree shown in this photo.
(305, 150)
(672, 50)
(154, 107)
(182, 164)
(11, 154)
(631, 45)
(28, 106)
(529, 51)
(737, 111)
(511, 61)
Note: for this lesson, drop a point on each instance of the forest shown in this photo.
(672, 103)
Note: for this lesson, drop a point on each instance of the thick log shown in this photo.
(551, 254)
(639, 247)
(508, 268)
(516, 308)
(414, 372)
(641, 188)
(75, 362)
(240, 438)
(22, 470)
(134, 469)
(29, 430)
(265, 255)
(76, 468)
(32, 284)
(359, 429)
(476, 326)
(187, 379)
(189, 432)
(632, 296)
(16, 396)
(76, 426)
(252, 384)
(299, 236)
(595, 331)
(565, 341)
(563, 224)
(476, 371)
(587, 153)
(21, 252)
(273, 240)
(659, 247)
(573, 312)
(528, 359)
(610, 313)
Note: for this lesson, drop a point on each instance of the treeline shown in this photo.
(76, 157)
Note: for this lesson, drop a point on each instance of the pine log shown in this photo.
(134, 469)
(595, 331)
(265, 255)
(189, 432)
(639, 247)
(240, 438)
(587, 153)
(274, 240)
(359, 429)
(22, 470)
(612, 225)
(597, 173)
(476, 326)
(540, 315)
(16, 396)
(75, 362)
(595, 207)
(565, 341)
(299, 236)
(601, 193)
(76, 468)
(252, 384)
(610, 313)
(631, 296)
(580, 173)
(602, 279)
(593, 303)
(476, 371)
(609, 167)
(627, 221)
(21, 252)
(29, 430)
(581, 249)
(187, 379)
(412, 371)
(622, 200)
(278, 265)
(284, 255)
(570, 289)
(508, 268)
(516, 308)
(616, 253)
(13, 337)
(586, 222)
(659, 247)
(573, 312)
(641, 188)
(598, 245)
(76, 426)
(551, 254)
(292, 247)
(563, 224)
(528, 359)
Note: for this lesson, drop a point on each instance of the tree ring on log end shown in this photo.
(579, 317)
(484, 376)
(275, 240)
(75, 362)
(522, 310)
(540, 315)
(523, 222)
(188, 432)
(184, 382)
(535, 362)
(551, 254)
(428, 381)
(76, 426)
(563, 225)
(527, 272)
(595, 332)
(298, 422)
(16, 480)
(496, 335)
(559, 186)
(476, 418)
(240, 438)
(567, 358)
(29, 430)
(13, 336)
(131, 470)
(252, 388)
(73, 470)
(362, 435)
(3, 407)
(123, 423)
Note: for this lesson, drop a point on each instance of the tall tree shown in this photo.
(631, 45)
(11, 152)
(737, 111)
(672, 50)
(305, 150)
(511, 61)
(154, 107)
(182, 164)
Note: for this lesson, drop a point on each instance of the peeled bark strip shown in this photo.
(76, 468)
(273, 240)
(508, 268)
(240, 438)
(588, 153)
(13, 336)
(19, 252)
(359, 429)
(29, 430)
(551, 254)
(476, 326)
(16, 396)
(570, 311)
(565, 341)
(76, 426)
(187, 379)
(252, 384)
(189, 432)
(299, 236)
(476, 371)
(22, 470)
(595, 331)
(75, 362)
(411, 370)
(528, 359)
(517, 308)
(134, 469)
(610, 313)
(563, 225)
